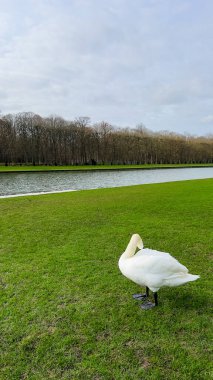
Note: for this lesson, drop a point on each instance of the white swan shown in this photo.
(152, 269)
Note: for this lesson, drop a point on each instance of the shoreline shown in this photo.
(93, 169)
(37, 193)
(96, 188)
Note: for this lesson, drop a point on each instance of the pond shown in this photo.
(16, 184)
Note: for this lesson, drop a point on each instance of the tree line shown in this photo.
(27, 138)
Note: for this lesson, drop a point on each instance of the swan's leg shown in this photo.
(156, 298)
(140, 296)
(150, 305)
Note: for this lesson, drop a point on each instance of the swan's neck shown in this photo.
(130, 249)
(135, 242)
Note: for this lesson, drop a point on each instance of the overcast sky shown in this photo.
(123, 61)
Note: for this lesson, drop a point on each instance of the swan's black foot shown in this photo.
(147, 305)
(139, 296)
(142, 297)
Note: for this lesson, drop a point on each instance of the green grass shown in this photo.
(66, 310)
(95, 167)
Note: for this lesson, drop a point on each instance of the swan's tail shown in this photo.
(180, 279)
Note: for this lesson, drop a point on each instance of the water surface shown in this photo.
(43, 182)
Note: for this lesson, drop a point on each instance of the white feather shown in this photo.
(152, 268)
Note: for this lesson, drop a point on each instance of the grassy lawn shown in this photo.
(96, 167)
(66, 310)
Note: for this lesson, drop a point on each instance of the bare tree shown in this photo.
(27, 138)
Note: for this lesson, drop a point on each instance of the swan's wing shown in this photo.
(169, 265)
(156, 270)
(161, 263)
(152, 268)
(150, 252)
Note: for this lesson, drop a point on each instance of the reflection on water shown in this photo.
(22, 183)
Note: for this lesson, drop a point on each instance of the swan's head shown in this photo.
(136, 239)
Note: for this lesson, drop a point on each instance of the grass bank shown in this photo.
(24, 168)
(67, 312)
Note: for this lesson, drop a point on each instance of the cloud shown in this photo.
(207, 119)
(126, 62)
